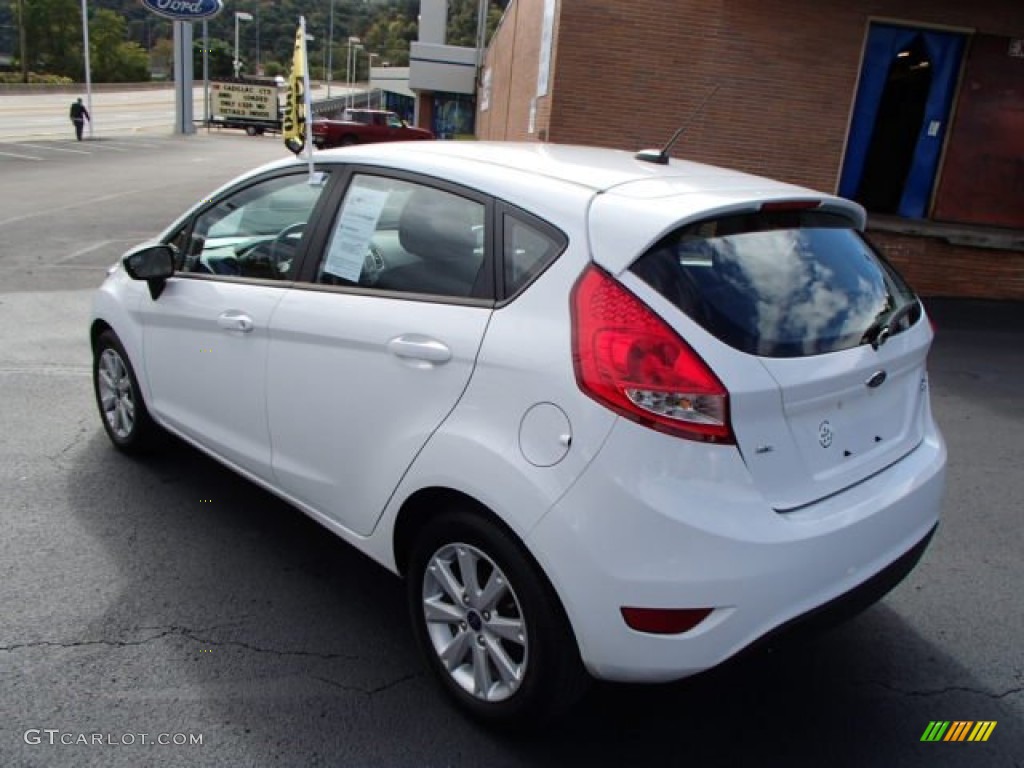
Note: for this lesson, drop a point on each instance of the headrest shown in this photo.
(437, 226)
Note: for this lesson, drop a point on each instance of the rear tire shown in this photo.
(250, 130)
(489, 625)
(119, 399)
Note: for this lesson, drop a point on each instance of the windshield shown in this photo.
(779, 284)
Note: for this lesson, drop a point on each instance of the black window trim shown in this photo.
(330, 184)
(305, 277)
(507, 211)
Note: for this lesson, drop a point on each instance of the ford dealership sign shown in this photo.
(185, 10)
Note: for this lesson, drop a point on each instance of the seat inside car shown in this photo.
(441, 231)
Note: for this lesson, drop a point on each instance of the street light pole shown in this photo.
(349, 75)
(330, 50)
(206, 76)
(369, 66)
(239, 16)
(88, 70)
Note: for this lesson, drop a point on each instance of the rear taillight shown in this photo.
(630, 360)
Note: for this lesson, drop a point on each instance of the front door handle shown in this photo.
(416, 347)
(233, 320)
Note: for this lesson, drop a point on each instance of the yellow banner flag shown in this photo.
(293, 127)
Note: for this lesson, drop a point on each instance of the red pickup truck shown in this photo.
(363, 126)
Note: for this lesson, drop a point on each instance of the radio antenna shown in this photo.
(660, 156)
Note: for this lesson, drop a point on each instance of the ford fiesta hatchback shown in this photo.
(606, 417)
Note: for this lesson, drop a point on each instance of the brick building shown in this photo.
(915, 108)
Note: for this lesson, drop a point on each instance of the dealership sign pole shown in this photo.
(183, 13)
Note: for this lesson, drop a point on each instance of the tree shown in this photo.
(390, 37)
(161, 58)
(220, 58)
(462, 21)
(113, 58)
(53, 35)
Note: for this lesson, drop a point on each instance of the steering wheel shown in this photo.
(279, 260)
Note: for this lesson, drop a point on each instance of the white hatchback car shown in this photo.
(604, 415)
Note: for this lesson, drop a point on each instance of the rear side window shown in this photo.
(528, 250)
(778, 284)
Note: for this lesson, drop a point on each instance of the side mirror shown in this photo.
(152, 263)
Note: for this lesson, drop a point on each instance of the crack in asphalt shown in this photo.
(949, 689)
(367, 691)
(178, 632)
(83, 431)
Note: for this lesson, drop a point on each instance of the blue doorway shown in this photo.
(904, 97)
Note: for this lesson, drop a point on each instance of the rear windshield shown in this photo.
(779, 284)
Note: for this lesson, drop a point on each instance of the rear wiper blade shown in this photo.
(879, 331)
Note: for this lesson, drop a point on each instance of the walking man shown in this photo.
(79, 114)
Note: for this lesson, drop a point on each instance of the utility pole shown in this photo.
(330, 47)
(22, 42)
(88, 69)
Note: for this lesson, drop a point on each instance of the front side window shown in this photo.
(779, 284)
(398, 235)
(254, 232)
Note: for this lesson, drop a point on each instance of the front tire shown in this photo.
(489, 624)
(119, 399)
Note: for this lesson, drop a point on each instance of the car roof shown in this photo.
(628, 203)
(597, 168)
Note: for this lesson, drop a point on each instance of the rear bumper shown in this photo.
(686, 528)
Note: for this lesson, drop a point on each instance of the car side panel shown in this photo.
(506, 445)
(350, 402)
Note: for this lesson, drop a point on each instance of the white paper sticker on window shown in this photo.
(354, 230)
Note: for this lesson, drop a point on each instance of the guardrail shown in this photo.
(334, 105)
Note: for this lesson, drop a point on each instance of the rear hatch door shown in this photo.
(821, 345)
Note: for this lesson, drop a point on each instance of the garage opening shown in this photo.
(907, 84)
(900, 114)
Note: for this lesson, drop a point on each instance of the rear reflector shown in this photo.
(664, 621)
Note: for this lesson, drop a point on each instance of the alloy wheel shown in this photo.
(475, 622)
(117, 398)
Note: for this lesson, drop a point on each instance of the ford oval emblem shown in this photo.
(876, 380)
(185, 10)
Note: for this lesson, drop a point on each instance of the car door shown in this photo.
(374, 347)
(205, 338)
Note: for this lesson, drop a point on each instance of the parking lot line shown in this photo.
(105, 147)
(55, 149)
(20, 157)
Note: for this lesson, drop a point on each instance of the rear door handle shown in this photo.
(416, 347)
(233, 320)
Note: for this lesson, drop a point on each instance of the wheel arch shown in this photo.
(427, 504)
(97, 329)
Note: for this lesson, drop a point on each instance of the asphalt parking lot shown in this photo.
(170, 597)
